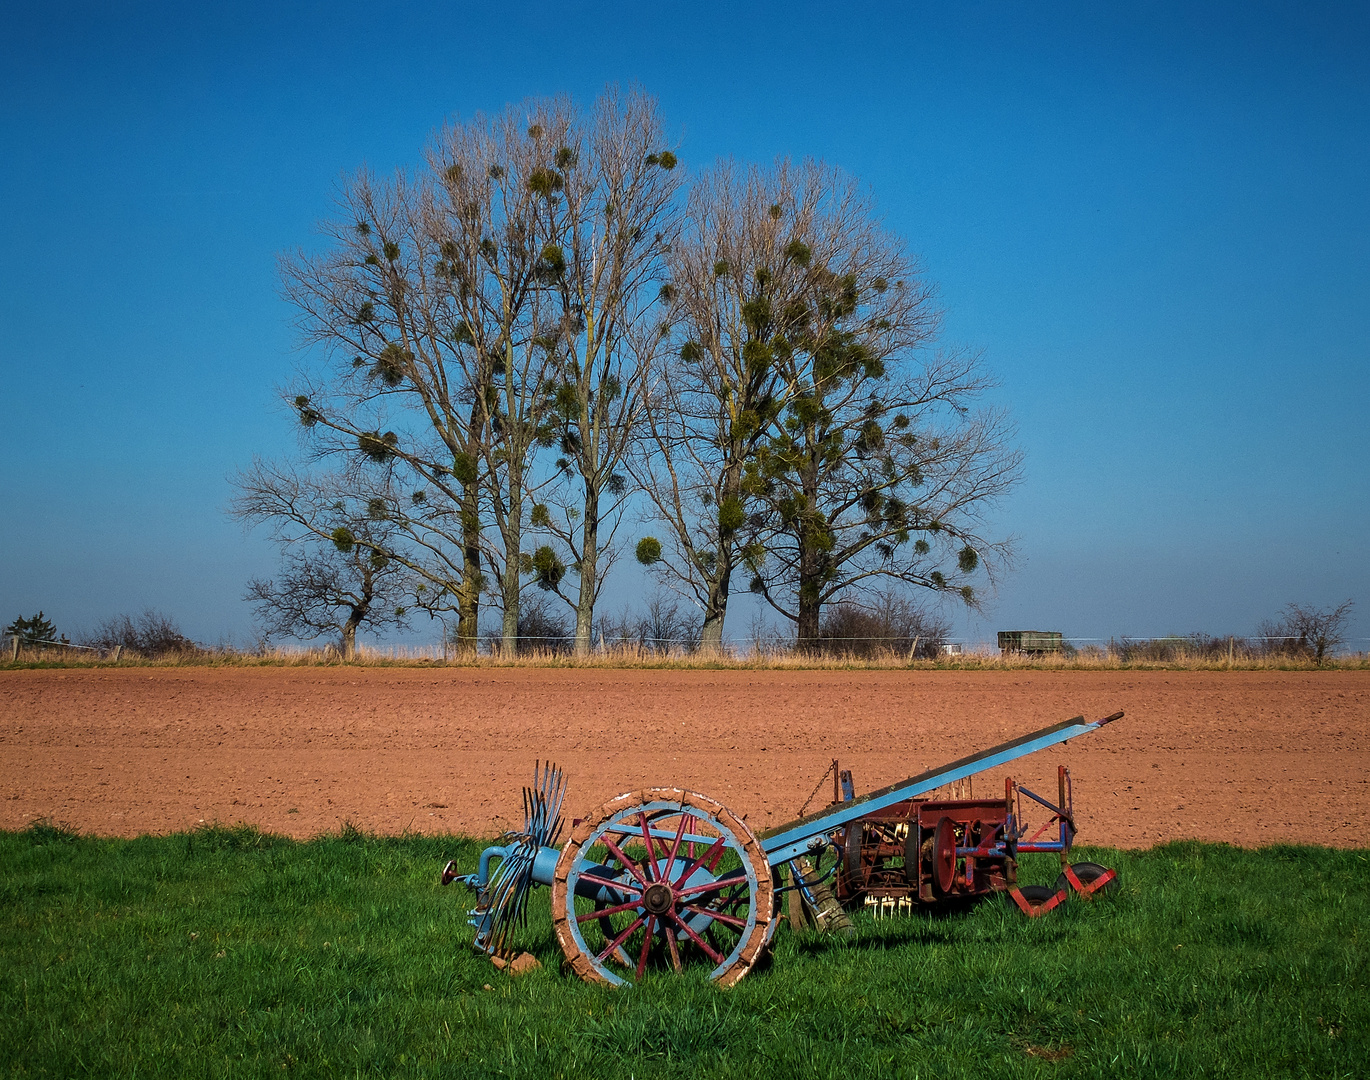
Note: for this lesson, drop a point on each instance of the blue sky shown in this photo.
(1152, 219)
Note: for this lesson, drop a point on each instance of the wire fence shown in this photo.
(753, 645)
(763, 645)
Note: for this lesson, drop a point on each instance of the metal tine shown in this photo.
(550, 778)
(542, 805)
(542, 777)
(558, 793)
(513, 880)
(509, 892)
(534, 810)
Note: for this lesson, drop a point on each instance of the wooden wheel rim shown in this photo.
(628, 809)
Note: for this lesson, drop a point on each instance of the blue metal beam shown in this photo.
(784, 842)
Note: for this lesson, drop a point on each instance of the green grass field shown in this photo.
(228, 953)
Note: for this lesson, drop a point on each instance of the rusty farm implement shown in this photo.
(665, 877)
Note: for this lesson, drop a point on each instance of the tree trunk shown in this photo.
(468, 595)
(357, 613)
(807, 624)
(711, 633)
(589, 563)
(811, 565)
(716, 608)
(513, 539)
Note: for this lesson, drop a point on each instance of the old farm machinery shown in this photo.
(665, 877)
(925, 851)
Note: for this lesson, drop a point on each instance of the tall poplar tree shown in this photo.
(424, 303)
(613, 223)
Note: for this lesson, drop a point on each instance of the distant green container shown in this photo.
(1029, 641)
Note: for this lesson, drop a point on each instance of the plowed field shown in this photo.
(1248, 757)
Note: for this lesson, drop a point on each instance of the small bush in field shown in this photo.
(150, 634)
(542, 629)
(891, 624)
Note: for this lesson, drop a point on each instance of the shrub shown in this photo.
(150, 634)
(542, 629)
(892, 623)
(661, 629)
(1177, 647)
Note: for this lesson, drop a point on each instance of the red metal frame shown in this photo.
(895, 853)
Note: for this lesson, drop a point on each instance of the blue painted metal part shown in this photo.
(544, 866)
(784, 842)
(544, 869)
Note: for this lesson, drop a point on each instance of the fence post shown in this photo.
(14, 648)
(115, 655)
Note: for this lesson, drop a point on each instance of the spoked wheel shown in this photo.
(657, 879)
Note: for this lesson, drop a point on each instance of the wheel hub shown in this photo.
(658, 898)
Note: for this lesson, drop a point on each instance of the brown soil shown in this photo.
(1246, 757)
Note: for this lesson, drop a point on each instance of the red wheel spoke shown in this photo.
(675, 951)
(727, 920)
(716, 846)
(675, 847)
(646, 945)
(651, 848)
(628, 863)
(621, 938)
(717, 885)
(716, 957)
(619, 885)
(629, 906)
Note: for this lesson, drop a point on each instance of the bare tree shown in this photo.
(322, 592)
(720, 387)
(423, 305)
(876, 469)
(516, 295)
(478, 310)
(1308, 631)
(337, 575)
(613, 222)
